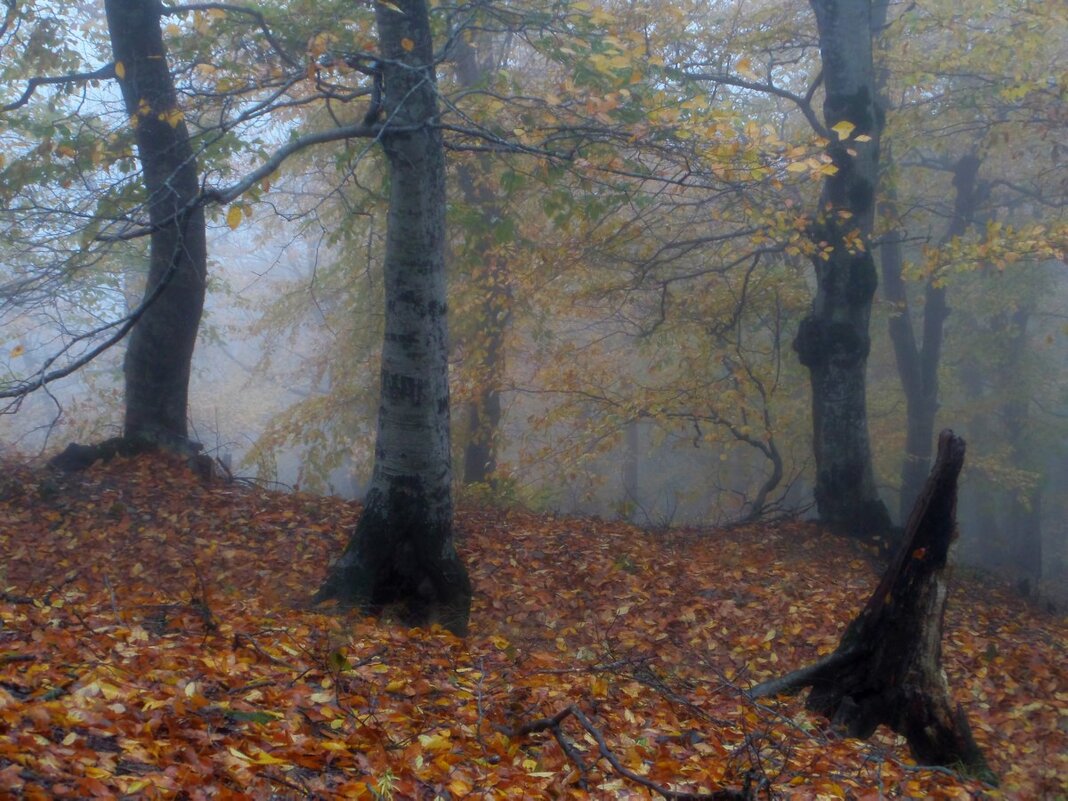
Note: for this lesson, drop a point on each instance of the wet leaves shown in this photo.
(155, 643)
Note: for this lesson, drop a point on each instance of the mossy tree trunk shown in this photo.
(401, 553)
(887, 668)
(160, 348)
(833, 340)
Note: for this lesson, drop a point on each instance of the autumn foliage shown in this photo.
(155, 643)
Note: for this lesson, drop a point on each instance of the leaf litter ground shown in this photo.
(155, 644)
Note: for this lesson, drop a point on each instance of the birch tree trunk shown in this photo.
(833, 340)
(160, 348)
(401, 553)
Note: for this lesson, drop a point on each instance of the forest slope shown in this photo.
(154, 644)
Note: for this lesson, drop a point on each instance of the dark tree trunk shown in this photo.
(160, 348)
(1024, 520)
(631, 463)
(490, 276)
(887, 668)
(1025, 524)
(833, 340)
(483, 422)
(917, 364)
(402, 552)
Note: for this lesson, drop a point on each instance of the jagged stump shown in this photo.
(887, 668)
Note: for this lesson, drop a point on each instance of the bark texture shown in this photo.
(401, 554)
(833, 340)
(160, 348)
(887, 668)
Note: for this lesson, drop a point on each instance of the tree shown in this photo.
(160, 350)
(402, 551)
(833, 341)
(887, 668)
(972, 114)
(94, 213)
(918, 359)
(482, 253)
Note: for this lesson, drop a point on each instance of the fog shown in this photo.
(631, 311)
(253, 379)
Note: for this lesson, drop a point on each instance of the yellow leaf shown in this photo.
(234, 217)
(459, 787)
(319, 44)
(18, 350)
(796, 166)
(407, 44)
(599, 687)
(435, 743)
(172, 117)
(843, 129)
(744, 67)
(391, 6)
(259, 758)
(120, 70)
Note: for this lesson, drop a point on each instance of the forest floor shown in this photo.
(155, 643)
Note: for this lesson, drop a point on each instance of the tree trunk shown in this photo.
(483, 421)
(631, 462)
(1024, 519)
(887, 668)
(160, 348)
(489, 276)
(833, 340)
(917, 364)
(401, 552)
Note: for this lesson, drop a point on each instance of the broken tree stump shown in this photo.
(887, 668)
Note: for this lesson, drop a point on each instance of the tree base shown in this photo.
(403, 563)
(75, 457)
(887, 668)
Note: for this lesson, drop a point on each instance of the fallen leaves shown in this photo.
(155, 643)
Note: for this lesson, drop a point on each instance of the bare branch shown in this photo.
(107, 71)
(804, 104)
(261, 21)
(553, 724)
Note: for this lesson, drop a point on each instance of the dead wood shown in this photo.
(887, 669)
